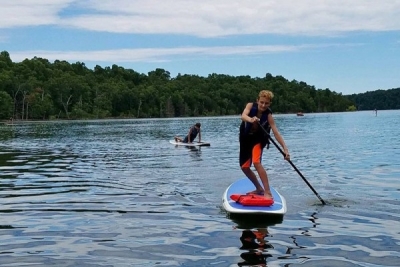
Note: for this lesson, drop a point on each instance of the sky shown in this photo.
(346, 46)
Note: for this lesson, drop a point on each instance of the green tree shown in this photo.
(6, 104)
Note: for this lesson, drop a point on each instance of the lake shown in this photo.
(117, 193)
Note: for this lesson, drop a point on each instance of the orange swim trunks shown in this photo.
(250, 155)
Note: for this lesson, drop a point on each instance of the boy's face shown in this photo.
(263, 103)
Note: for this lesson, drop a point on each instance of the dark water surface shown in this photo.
(117, 193)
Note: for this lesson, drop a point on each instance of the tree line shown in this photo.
(37, 89)
(378, 99)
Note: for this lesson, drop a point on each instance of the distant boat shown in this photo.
(300, 114)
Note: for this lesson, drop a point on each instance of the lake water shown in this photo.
(117, 193)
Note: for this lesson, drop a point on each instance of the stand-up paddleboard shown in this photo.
(241, 187)
(196, 144)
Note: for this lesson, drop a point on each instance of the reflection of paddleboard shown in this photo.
(189, 144)
(241, 187)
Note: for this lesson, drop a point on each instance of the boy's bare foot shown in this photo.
(268, 195)
(256, 192)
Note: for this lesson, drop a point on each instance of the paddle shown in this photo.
(294, 167)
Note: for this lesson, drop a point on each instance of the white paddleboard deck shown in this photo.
(189, 144)
(243, 186)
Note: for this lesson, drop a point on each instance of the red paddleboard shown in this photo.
(252, 200)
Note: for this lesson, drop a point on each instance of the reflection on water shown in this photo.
(255, 246)
(117, 193)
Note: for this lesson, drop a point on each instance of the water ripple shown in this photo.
(116, 193)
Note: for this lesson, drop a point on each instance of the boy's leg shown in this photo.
(264, 179)
(253, 178)
(245, 155)
(256, 156)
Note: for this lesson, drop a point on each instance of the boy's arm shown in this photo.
(245, 114)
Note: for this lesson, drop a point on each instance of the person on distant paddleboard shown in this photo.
(253, 140)
(192, 134)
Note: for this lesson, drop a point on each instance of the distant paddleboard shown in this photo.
(189, 144)
(256, 205)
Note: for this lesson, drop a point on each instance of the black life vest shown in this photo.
(193, 134)
(245, 127)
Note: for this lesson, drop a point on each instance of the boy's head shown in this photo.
(266, 94)
(264, 99)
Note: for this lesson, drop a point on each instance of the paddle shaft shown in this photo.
(297, 170)
(294, 167)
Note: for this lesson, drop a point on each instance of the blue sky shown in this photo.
(345, 46)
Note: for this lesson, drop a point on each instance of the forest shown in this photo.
(378, 99)
(37, 89)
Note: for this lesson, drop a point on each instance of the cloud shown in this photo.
(164, 54)
(207, 18)
(150, 54)
(27, 13)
